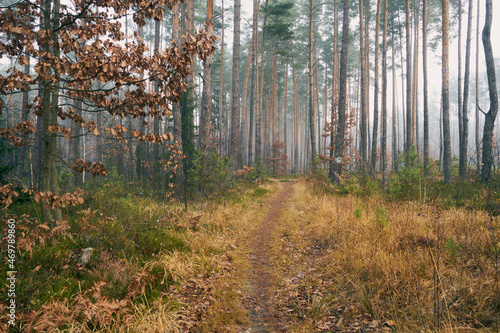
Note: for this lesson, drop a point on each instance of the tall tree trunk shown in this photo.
(478, 142)
(254, 90)
(415, 128)
(383, 157)
(364, 139)
(206, 101)
(285, 110)
(334, 87)
(156, 121)
(339, 138)
(295, 120)
(222, 114)
(260, 100)
(312, 129)
(235, 90)
(445, 9)
(395, 133)
(176, 110)
(465, 108)
(375, 93)
(50, 104)
(409, 126)
(426, 84)
(367, 81)
(489, 122)
(244, 126)
(459, 91)
(274, 93)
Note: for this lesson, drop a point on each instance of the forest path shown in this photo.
(261, 282)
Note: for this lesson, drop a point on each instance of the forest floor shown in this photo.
(275, 295)
(287, 255)
(261, 284)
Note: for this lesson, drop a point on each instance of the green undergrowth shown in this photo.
(142, 248)
(414, 184)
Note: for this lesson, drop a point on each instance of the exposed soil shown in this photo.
(260, 290)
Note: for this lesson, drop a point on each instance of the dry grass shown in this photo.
(192, 286)
(413, 267)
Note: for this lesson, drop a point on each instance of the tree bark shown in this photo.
(258, 127)
(375, 94)
(478, 142)
(244, 126)
(339, 137)
(206, 103)
(295, 119)
(254, 90)
(465, 112)
(426, 84)
(235, 90)
(489, 122)
(312, 128)
(395, 133)
(459, 90)
(383, 157)
(446, 92)
(364, 140)
(222, 115)
(334, 87)
(409, 126)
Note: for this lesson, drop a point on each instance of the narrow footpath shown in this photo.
(261, 284)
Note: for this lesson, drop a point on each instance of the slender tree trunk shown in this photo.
(364, 139)
(244, 126)
(254, 90)
(446, 92)
(295, 120)
(339, 138)
(383, 157)
(206, 100)
(395, 133)
(258, 134)
(489, 122)
(375, 93)
(285, 110)
(415, 128)
(334, 87)
(176, 110)
(312, 129)
(156, 121)
(222, 114)
(409, 126)
(367, 81)
(465, 108)
(478, 142)
(459, 93)
(274, 94)
(235, 91)
(426, 84)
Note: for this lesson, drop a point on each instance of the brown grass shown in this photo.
(410, 267)
(199, 289)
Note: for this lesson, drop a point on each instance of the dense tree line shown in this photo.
(157, 91)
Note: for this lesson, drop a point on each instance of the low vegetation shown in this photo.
(357, 262)
(154, 266)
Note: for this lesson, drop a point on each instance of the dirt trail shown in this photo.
(261, 286)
